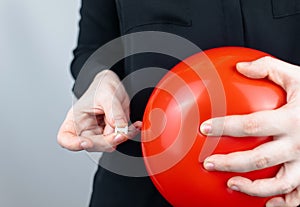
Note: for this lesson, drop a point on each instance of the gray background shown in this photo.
(36, 41)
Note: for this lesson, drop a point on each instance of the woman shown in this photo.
(272, 26)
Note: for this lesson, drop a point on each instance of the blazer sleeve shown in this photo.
(98, 25)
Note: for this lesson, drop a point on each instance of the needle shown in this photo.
(123, 130)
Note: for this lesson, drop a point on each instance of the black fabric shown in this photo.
(272, 26)
(112, 190)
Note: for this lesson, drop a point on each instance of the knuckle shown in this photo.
(261, 162)
(286, 188)
(60, 140)
(107, 94)
(267, 59)
(250, 126)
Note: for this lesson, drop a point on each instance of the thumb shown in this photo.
(115, 113)
(274, 69)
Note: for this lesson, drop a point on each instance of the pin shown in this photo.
(123, 130)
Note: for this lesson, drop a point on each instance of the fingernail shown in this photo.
(83, 144)
(235, 188)
(119, 138)
(206, 128)
(209, 166)
(243, 64)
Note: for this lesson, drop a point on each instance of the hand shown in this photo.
(283, 124)
(90, 123)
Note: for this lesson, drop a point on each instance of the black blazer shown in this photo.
(272, 26)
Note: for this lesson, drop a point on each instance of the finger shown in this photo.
(277, 202)
(138, 125)
(114, 112)
(108, 142)
(265, 155)
(91, 132)
(134, 129)
(115, 103)
(276, 70)
(67, 135)
(108, 129)
(261, 123)
(126, 109)
(286, 180)
(84, 121)
(102, 143)
(293, 198)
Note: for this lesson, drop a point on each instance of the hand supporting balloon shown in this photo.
(283, 124)
(90, 123)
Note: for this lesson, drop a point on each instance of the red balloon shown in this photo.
(204, 85)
